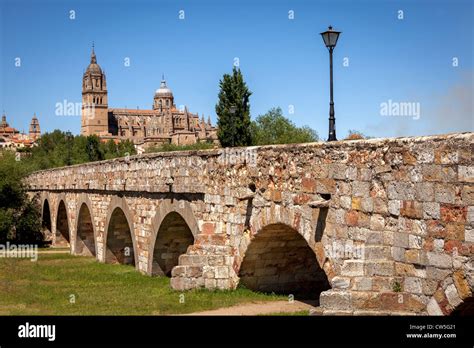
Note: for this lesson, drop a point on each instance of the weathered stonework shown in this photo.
(389, 222)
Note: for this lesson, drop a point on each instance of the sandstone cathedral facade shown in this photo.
(162, 124)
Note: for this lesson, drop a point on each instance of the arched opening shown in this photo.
(85, 242)
(46, 217)
(279, 260)
(173, 239)
(119, 240)
(465, 309)
(46, 220)
(62, 226)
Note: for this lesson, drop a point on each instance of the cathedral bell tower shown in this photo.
(94, 118)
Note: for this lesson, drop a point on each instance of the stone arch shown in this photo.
(174, 229)
(85, 230)
(119, 234)
(62, 237)
(279, 260)
(302, 240)
(454, 295)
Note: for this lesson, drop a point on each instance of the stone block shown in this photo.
(362, 283)
(469, 235)
(335, 300)
(398, 254)
(439, 260)
(379, 268)
(411, 209)
(394, 207)
(360, 189)
(341, 283)
(413, 285)
(400, 239)
(424, 192)
(433, 308)
(414, 242)
(445, 193)
(452, 296)
(398, 190)
(377, 222)
(466, 173)
(453, 213)
(462, 286)
(352, 268)
(431, 210)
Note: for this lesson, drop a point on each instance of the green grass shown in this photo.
(45, 288)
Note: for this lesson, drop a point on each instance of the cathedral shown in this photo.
(163, 124)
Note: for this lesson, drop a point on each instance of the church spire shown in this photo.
(93, 57)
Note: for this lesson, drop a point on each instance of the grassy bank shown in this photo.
(61, 284)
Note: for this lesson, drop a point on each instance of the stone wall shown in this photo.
(390, 221)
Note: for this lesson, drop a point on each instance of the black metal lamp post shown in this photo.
(330, 37)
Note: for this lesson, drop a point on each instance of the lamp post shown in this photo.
(330, 37)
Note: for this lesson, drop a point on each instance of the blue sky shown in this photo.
(283, 60)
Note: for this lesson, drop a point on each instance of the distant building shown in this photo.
(162, 124)
(35, 131)
(5, 130)
(11, 138)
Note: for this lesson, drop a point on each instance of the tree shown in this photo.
(233, 111)
(93, 150)
(19, 216)
(274, 128)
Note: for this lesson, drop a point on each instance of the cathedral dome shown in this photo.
(94, 68)
(163, 90)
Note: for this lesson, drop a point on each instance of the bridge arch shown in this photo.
(46, 218)
(120, 245)
(62, 237)
(454, 295)
(283, 253)
(85, 230)
(174, 229)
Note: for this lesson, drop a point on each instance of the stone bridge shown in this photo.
(380, 226)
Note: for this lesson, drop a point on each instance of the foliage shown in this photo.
(396, 286)
(355, 135)
(19, 216)
(57, 149)
(172, 147)
(274, 128)
(233, 111)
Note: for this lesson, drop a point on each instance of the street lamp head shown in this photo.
(330, 37)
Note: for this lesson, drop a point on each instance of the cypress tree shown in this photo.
(233, 111)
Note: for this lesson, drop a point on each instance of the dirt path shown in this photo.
(259, 308)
